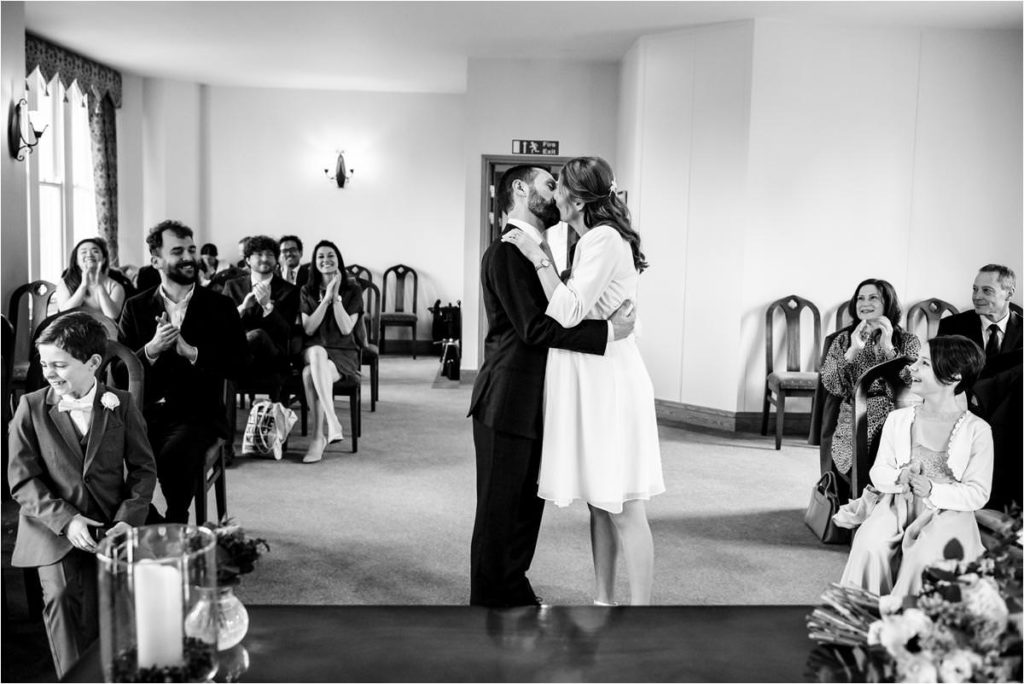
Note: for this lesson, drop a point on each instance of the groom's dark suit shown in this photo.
(183, 403)
(507, 410)
(996, 397)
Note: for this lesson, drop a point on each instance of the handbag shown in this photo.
(823, 505)
(267, 429)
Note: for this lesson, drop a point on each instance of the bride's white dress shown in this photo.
(600, 431)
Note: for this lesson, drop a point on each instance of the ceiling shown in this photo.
(419, 46)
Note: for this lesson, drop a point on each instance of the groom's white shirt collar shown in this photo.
(528, 229)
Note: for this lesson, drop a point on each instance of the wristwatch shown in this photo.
(544, 263)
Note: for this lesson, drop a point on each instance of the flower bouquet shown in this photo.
(236, 553)
(964, 625)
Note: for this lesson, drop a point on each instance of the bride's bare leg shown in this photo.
(605, 549)
(637, 548)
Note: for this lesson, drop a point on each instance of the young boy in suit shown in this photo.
(81, 467)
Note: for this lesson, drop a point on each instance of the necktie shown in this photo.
(291, 275)
(992, 346)
(547, 250)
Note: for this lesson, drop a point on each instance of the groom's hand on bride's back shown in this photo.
(623, 320)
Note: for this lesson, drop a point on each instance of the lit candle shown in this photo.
(158, 615)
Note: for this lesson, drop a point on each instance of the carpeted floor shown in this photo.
(392, 523)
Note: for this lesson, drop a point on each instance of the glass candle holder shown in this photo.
(150, 580)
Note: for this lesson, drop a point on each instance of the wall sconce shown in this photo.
(22, 133)
(342, 174)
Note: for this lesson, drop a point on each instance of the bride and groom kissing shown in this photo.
(562, 407)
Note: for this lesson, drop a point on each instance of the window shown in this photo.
(62, 200)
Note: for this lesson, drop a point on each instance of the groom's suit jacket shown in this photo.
(190, 392)
(508, 394)
(54, 477)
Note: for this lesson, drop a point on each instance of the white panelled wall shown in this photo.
(771, 158)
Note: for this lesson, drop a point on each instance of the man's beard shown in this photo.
(547, 212)
(177, 275)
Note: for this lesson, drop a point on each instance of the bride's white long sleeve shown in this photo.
(592, 271)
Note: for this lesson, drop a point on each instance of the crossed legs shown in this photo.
(629, 531)
(318, 378)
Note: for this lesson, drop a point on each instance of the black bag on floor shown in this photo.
(824, 504)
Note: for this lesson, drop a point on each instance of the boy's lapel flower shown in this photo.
(110, 401)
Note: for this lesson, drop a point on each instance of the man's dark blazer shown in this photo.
(192, 392)
(278, 323)
(968, 324)
(508, 394)
(301, 278)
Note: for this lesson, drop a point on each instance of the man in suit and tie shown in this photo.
(507, 401)
(81, 468)
(997, 329)
(291, 254)
(267, 305)
(189, 340)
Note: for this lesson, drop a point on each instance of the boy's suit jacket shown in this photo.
(54, 478)
(191, 392)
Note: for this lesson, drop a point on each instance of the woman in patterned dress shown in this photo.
(933, 470)
(877, 337)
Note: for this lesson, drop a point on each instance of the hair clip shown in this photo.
(611, 189)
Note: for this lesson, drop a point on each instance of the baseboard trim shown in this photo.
(690, 416)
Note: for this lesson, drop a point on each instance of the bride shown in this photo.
(600, 432)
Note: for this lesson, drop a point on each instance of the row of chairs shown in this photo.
(796, 382)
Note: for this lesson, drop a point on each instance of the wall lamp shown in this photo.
(342, 174)
(22, 134)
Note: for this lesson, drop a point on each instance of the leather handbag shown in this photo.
(823, 505)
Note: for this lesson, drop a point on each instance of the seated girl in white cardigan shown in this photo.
(933, 470)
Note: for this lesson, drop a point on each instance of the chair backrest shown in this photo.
(371, 311)
(32, 300)
(864, 451)
(109, 372)
(932, 310)
(124, 281)
(360, 273)
(792, 306)
(397, 274)
(843, 316)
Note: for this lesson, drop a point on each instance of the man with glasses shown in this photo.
(291, 255)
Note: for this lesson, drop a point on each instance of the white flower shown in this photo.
(917, 667)
(110, 401)
(894, 631)
(983, 600)
(889, 604)
(959, 665)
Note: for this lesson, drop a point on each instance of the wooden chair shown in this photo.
(33, 299)
(863, 451)
(213, 472)
(398, 316)
(353, 389)
(843, 316)
(792, 381)
(824, 413)
(107, 371)
(932, 311)
(360, 273)
(370, 336)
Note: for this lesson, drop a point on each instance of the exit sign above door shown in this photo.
(545, 147)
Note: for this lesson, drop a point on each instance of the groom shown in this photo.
(508, 395)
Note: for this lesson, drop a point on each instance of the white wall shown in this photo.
(266, 154)
(773, 158)
(14, 207)
(572, 102)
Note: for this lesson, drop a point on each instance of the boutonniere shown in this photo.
(110, 401)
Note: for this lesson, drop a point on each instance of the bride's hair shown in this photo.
(590, 180)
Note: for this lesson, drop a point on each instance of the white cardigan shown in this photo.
(970, 458)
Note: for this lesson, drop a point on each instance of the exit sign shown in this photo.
(545, 147)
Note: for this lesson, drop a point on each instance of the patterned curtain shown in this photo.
(102, 86)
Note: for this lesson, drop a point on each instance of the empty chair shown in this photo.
(360, 273)
(402, 314)
(369, 336)
(27, 309)
(932, 310)
(792, 381)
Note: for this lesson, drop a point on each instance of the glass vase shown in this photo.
(220, 611)
(150, 579)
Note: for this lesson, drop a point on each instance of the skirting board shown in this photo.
(676, 414)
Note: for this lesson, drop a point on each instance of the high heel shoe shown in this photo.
(314, 454)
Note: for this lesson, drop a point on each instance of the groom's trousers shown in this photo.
(508, 515)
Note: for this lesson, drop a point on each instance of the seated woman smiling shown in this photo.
(933, 470)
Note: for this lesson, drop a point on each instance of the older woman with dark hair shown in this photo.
(876, 337)
(85, 283)
(331, 304)
(933, 470)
